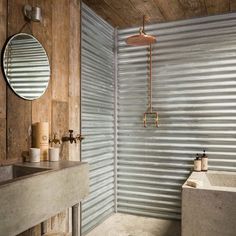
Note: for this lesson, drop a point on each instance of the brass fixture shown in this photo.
(55, 139)
(71, 138)
(150, 113)
(141, 40)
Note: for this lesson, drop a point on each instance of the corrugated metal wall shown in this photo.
(97, 116)
(194, 91)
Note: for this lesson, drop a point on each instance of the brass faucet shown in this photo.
(55, 139)
(80, 137)
(71, 138)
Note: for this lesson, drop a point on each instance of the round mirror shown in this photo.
(26, 66)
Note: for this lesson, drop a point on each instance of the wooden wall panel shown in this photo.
(74, 76)
(3, 35)
(151, 8)
(193, 8)
(171, 9)
(18, 110)
(124, 14)
(60, 83)
(232, 5)
(60, 48)
(128, 11)
(41, 108)
(60, 116)
(59, 33)
(106, 12)
(217, 6)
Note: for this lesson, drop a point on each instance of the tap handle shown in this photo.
(80, 137)
(55, 139)
(144, 120)
(71, 132)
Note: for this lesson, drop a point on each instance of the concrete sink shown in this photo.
(13, 172)
(31, 193)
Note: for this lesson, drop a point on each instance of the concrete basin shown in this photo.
(31, 193)
(210, 208)
(12, 172)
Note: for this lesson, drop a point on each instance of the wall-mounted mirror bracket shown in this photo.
(32, 13)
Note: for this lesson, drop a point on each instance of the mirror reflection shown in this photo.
(26, 66)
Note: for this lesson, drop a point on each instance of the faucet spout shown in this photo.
(71, 137)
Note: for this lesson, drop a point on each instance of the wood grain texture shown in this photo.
(125, 14)
(232, 5)
(171, 9)
(3, 143)
(60, 84)
(60, 124)
(41, 108)
(60, 48)
(74, 77)
(3, 36)
(60, 117)
(18, 110)
(217, 6)
(193, 8)
(106, 12)
(130, 14)
(149, 8)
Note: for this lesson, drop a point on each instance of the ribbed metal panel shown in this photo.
(194, 91)
(97, 117)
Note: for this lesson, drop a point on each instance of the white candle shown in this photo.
(54, 154)
(34, 154)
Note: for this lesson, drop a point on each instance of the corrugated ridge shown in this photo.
(194, 78)
(97, 117)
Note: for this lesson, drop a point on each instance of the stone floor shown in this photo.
(130, 225)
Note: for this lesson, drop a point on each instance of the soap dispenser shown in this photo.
(204, 161)
(197, 164)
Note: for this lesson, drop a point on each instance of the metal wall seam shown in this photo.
(97, 117)
(115, 110)
(194, 91)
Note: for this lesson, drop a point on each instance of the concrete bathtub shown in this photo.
(210, 208)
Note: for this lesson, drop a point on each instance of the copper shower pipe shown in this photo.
(144, 18)
(142, 39)
(150, 77)
(149, 110)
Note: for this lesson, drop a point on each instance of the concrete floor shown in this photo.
(130, 225)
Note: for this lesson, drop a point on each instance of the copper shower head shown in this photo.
(141, 39)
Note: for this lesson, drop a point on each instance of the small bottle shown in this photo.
(204, 161)
(197, 164)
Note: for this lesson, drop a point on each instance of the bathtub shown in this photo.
(209, 209)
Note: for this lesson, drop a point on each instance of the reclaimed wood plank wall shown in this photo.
(125, 14)
(59, 33)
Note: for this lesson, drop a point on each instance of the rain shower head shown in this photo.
(141, 39)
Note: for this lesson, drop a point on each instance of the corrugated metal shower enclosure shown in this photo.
(194, 91)
(97, 117)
